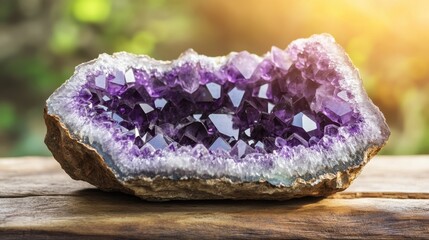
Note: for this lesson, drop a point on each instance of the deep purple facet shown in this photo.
(284, 111)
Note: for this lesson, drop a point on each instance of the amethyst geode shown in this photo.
(292, 123)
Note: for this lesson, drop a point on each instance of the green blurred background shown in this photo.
(41, 41)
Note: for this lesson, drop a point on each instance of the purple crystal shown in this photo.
(337, 110)
(214, 89)
(220, 143)
(118, 78)
(303, 121)
(249, 103)
(262, 91)
(236, 96)
(241, 149)
(129, 76)
(100, 81)
(224, 124)
(295, 140)
(157, 142)
(189, 79)
(280, 58)
(331, 130)
(283, 111)
(160, 103)
(245, 63)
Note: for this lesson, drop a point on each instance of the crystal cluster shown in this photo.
(295, 117)
(248, 105)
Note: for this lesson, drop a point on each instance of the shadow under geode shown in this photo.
(99, 201)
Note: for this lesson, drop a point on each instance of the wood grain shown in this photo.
(39, 201)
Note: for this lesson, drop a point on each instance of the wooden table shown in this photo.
(39, 201)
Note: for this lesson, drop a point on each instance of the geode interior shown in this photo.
(291, 114)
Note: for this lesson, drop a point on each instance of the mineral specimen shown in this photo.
(291, 123)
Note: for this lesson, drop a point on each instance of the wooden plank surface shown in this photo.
(39, 201)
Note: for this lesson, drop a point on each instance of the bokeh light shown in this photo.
(41, 42)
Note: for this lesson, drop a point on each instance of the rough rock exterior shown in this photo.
(293, 123)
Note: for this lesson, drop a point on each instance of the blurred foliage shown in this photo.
(41, 42)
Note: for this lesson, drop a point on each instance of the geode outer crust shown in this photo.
(82, 162)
